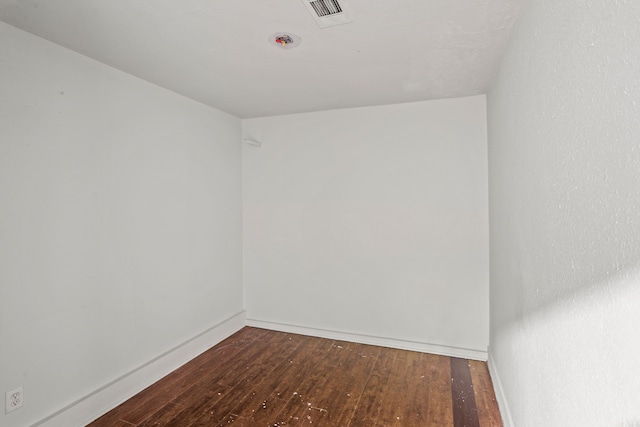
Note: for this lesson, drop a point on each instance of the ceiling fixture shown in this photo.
(327, 13)
(285, 40)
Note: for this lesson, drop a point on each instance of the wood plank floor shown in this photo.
(259, 377)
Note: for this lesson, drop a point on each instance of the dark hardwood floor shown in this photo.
(259, 377)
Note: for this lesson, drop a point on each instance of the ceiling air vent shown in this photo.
(327, 13)
(326, 7)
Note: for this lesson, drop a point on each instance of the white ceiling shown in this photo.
(219, 51)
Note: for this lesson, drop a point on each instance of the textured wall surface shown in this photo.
(371, 221)
(120, 223)
(564, 179)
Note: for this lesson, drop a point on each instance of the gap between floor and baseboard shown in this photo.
(501, 397)
(107, 397)
(443, 350)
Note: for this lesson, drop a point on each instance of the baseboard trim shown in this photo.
(501, 397)
(94, 405)
(422, 347)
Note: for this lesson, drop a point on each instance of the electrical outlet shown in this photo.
(15, 399)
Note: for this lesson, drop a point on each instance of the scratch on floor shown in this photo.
(310, 405)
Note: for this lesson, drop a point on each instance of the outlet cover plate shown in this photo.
(14, 399)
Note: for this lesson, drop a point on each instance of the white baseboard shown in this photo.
(92, 406)
(501, 397)
(443, 350)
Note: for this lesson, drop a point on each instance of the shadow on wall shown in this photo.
(586, 347)
(572, 226)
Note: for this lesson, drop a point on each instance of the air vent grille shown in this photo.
(326, 7)
(328, 13)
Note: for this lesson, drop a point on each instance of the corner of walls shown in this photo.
(501, 397)
(372, 222)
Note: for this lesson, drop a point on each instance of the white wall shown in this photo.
(564, 162)
(371, 222)
(120, 223)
